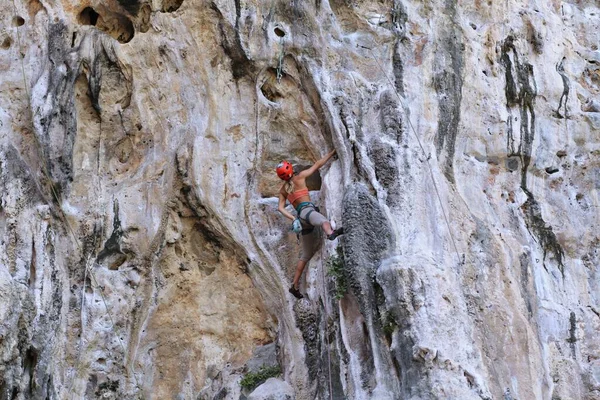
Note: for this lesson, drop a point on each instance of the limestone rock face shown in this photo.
(141, 252)
(272, 389)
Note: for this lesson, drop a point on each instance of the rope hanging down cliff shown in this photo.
(430, 169)
(293, 290)
(62, 214)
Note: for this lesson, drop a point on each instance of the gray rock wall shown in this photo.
(141, 253)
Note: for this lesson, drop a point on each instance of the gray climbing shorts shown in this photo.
(308, 241)
(314, 218)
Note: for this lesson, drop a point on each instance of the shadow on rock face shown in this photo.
(171, 5)
(307, 320)
(289, 127)
(116, 25)
(314, 181)
(367, 240)
(368, 236)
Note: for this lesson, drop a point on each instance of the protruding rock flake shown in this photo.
(142, 254)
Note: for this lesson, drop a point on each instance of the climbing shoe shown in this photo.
(296, 292)
(336, 233)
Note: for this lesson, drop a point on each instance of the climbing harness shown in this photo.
(304, 231)
(54, 193)
(302, 206)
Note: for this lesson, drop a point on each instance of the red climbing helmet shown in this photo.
(285, 170)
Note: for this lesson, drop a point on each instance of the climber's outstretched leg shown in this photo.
(307, 241)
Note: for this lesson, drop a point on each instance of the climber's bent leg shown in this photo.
(315, 218)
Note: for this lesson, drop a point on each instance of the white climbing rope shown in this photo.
(326, 333)
(279, 75)
(414, 131)
(81, 313)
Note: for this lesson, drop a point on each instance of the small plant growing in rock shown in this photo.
(252, 379)
(388, 324)
(335, 269)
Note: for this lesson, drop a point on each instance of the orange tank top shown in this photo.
(292, 197)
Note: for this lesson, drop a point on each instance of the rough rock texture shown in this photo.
(141, 254)
(272, 389)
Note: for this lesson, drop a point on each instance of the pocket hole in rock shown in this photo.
(116, 25)
(279, 32)
(88, 16)
(512, 164)
(6, 43)
(145, 15)
(123, 150)
(170, 6)
(18, 21)
(269, 87)
(269, 93)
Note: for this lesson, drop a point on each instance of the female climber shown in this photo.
(295, 191)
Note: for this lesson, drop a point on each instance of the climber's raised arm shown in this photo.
(282, 209)
(309, 171)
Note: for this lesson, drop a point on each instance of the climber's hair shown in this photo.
(288, 186)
